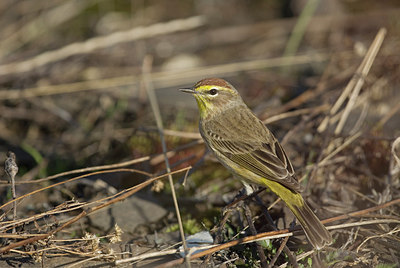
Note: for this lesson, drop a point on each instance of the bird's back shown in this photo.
(244, 144)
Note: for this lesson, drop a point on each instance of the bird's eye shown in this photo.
(213, 91)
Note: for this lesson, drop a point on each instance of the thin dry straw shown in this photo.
(69, 180)
(95, 168)
(147, 62)
(45, 22)
(124, 195)
(286, 232)
(284, 235)
(161, 79)
(360, 75)
(395, 230)
(102, 42)
(354, 85)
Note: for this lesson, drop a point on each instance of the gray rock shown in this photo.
(128, 214)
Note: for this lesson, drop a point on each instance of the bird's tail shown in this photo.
(315, 231)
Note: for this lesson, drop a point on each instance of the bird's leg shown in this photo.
(292, 258)
(226, 212)
(253, 230)
(266, 213)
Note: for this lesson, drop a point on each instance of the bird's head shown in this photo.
(214, 95)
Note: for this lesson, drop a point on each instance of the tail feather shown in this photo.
(315, 231)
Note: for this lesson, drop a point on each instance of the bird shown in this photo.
(248, 149)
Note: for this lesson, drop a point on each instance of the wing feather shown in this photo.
(264, 157)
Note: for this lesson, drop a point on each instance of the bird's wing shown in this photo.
(266, 159)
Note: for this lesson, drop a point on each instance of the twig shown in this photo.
(361, 212)
(102, 42)
(395, 230)
(159, 79)
(360, 75)
(269, 235)
(339, 148)
(42, 24)
(57, 210)
(88, 211)
(147, 63)
(286, 232)
(360, 223)
(11, 168)
(313, 93)
(182, 134)
(82, 170)
(148, 255)
(278, 252)
(354, 85)
(245, 240)
(69, 180)
(297, 112)
(363, 196)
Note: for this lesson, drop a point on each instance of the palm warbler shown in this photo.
(245, 146)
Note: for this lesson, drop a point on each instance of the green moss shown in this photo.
(190, 226)
(142, 144)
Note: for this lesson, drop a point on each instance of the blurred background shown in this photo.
(73, 76)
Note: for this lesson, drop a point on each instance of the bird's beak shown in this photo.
(188, 90)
